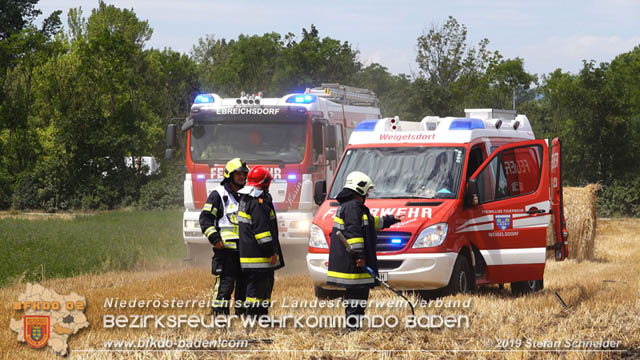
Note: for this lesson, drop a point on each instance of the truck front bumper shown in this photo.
(404, 271)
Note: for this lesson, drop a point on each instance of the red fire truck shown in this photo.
(476, 193)
(296, 137)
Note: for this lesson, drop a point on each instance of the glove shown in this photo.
(389, 220)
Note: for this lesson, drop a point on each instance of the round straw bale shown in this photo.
(580, 213)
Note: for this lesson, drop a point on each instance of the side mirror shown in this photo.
(319, 191)
(330, 136)
(330, 154)
(171, 135)
(471, 195)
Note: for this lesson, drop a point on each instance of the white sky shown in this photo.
(546, 34)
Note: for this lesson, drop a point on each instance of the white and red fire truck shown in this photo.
(296, 137)
(476, 195)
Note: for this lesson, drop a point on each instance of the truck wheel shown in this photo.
(199, 254)
(322, 293)
(519, 288)
(462, 280)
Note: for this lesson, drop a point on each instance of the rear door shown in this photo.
(508, 225)
(560, 234)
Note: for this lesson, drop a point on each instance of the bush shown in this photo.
(26, 194)
(5, 189)
(163, 192)
(622, 198)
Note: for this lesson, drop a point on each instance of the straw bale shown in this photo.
(580, 213)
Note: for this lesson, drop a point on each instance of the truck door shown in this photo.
(509, 223)
(560, 234)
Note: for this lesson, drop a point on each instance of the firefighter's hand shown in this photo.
(274, 259)
(397, 219)
(389, 220)
(360, 262)
(218, 245)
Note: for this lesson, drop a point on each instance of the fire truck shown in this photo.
(476, 195)
(296, 137)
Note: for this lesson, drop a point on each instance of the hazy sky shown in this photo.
(546, 34)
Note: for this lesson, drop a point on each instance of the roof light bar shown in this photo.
(466, 124)
(203, 99)
(366, 125)
(302, 99)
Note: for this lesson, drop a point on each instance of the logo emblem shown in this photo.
(36, 330)
(503, 221)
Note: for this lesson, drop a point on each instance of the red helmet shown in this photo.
(259, 177)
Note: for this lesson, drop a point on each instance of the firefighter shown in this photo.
(260, 253)
(219, 223)
(359, 227)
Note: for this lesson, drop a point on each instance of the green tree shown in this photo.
(449, 69)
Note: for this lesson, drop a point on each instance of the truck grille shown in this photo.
(392, 240)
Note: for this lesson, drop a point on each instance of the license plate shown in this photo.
(383, 276)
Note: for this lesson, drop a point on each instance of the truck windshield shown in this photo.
(281, 142)
(405, 172)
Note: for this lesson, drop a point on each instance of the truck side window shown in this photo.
(513, 172)
(487, 182)
(521, 170)
(475, 160)
(317, 140)
(339, 140)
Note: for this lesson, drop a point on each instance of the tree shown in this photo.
(312, 61)
(444, 55)
(450, 69)
(272, 64)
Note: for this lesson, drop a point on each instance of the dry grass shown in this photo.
(602, 294)
(580, 213)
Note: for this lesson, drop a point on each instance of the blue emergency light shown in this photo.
(302, 99)
(203, 99)
(366, 125)
(200, 176)
(396, 241)
(466, 124)
(292, 177)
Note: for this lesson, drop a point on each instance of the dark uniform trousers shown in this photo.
(356, 304)
(225, 267)
(259, 287)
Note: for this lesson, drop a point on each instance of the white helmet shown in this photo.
(358, 182)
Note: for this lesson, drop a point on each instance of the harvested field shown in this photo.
(602, 295)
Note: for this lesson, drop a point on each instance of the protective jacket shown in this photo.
(219, 217)
(258, 232)
(360, 228)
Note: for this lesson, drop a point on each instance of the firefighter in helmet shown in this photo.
(359, 228)
(219, 223)
(260, 253)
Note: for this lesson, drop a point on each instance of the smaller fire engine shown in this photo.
(476, 195)
(296, 137)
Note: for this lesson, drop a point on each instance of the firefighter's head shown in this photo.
(259, 177)
(359, 182)
(236, 172)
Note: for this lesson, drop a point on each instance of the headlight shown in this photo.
(317, 238)
(432, 236)
(300, 225)
(189, 224)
